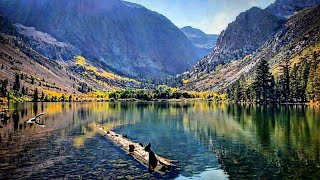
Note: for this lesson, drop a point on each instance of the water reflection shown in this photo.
(209, 139)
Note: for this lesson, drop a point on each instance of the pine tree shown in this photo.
(303, 80)
(42, 96)
(272, 89)
(277, 93)
(8, 97)
(32, 80)
(63, 98)
(26, 90)
(4, 84)
(238, 91)
(262, 83)
(294, 83)
(23, 90)
(311, 78)
(317, 83)
(16, 85)
(230, 93)
(249, 93)
(285, 81)
(35, 95)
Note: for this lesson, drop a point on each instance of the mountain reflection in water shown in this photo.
(209, 140)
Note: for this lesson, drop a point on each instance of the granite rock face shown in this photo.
(248, 32)
(243, 36)
(46, 44)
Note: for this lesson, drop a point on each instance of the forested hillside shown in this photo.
(294, 81)
(292, 75)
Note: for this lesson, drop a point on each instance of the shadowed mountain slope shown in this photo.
(116, 35)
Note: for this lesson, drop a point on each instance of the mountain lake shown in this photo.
(210, 140)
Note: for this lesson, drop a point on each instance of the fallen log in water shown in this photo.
(137, 151)
(34, 120)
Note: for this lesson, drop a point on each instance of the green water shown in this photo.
(210, 140)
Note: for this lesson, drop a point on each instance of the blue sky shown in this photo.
(211, 16)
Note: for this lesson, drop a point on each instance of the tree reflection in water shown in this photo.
(246, 141)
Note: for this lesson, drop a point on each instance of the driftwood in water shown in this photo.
(34, 120)
(137, 151)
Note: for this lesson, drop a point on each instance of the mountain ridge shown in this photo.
(243, 36)
(131, 41)
(299, 34)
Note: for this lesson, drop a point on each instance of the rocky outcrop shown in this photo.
(46, 44)
(248, 32)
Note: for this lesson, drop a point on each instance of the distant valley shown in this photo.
(204, 43)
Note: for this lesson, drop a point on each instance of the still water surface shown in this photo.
(210, 140)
